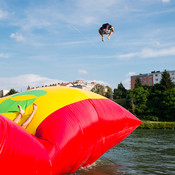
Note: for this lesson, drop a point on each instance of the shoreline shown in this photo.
(157, 125)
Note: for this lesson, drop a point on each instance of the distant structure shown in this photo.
(3, 93)
(152, 78)
(78, 84)
(83, 85)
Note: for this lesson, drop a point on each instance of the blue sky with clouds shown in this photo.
(52, 41)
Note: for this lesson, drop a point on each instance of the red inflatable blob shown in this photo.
(71, 137)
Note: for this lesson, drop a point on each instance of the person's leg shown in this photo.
(29, 119)
(112, 31)
(110, 35)
(101, 33)
(102, 38)
(21, 112)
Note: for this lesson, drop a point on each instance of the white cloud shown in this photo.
(58, 14)
(45, 17)
(149, 53)
(82, 71)
(79, 12)
(89, 12)
(127, 82)
(130, 74)
(165, 1)
(21, 82)
(17, 37)
(71, 43)
(2, 55)
(128, 55)
(98, 82)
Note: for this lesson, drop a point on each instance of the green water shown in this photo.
(143, 152)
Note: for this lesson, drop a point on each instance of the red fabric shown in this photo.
(20, 152)
(83, 131)
(73, 136)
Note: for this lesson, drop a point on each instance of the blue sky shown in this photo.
(52, 41)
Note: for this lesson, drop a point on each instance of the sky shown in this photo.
(52, 41)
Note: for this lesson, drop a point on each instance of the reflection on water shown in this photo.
(142, 152)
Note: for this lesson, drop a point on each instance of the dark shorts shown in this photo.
(105, 31)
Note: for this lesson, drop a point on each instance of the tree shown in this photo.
(28, 88)
(154, 98)
(120, 92)
(151, 103)
(99, 89)
(12, 91)
(108, 92)
(167, 105)
(138, 98)
(166, 82)
(138, 82)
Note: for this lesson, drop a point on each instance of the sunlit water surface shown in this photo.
(142, 152)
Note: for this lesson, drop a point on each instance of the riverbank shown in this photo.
(157, 125)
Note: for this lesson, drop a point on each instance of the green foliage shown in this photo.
(99, 89)
(154, 103)
(167, 105)
(162, 103)
(121, 102)
(12, 91)
(138, 100)
(138, 82)
(108, 92)
(157, 125)
(166, 82)
(150, 118)
(154, 99)
(119, 95)
(120, 92)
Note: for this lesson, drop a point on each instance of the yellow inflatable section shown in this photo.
(47, 99)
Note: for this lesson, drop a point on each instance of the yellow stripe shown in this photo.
(56, 98)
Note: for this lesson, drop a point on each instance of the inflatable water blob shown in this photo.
(72, 128)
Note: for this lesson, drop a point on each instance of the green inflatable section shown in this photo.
(9, 105)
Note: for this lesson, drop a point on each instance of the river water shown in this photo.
(142, 152)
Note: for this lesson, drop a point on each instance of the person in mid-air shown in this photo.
(29, 119)
(106, 29)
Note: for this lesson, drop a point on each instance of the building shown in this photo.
(146, 79)
(3, 93)
(83, 85)
(78, 84)
(151, 78)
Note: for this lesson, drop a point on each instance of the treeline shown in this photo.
(155, 103)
